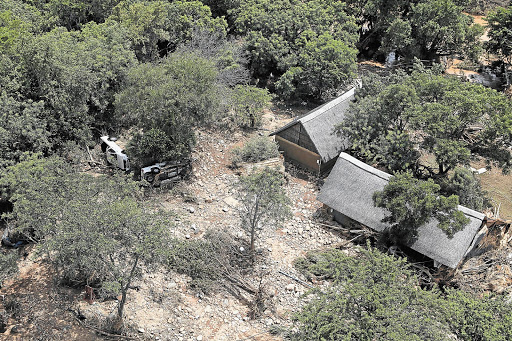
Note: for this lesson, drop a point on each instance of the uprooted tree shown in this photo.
(263, 201)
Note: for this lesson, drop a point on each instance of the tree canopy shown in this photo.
(412, 203)
(500, 35)
(308, 45)
(375, 296)
(451, 120)
(425, 29)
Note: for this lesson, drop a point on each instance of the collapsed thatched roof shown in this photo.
(349, 190)
(320, 123)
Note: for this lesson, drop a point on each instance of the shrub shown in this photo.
(255, 150)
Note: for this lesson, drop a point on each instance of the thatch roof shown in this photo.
(319, 125)
(349, 190)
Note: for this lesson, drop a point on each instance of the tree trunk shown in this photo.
(253, 232)
(124, 290)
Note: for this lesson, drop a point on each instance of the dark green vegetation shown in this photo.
(375, 296)
(412, 203)
(255, 150)
(500, 42)
(398, 118)
(426, 29)
(92, 230)
(72, 70)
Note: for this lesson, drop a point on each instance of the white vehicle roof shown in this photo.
(115, 147)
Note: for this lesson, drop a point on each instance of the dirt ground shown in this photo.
(164, 307)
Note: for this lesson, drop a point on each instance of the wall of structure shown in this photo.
(298, 135)
(301, 155)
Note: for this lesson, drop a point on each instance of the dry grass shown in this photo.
(499, 189)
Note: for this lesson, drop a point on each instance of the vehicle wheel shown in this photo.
(150, 178)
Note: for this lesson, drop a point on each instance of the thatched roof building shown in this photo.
(349, 190)
(310, 139)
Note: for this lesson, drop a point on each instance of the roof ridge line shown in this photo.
(328, 106)
(366, 167)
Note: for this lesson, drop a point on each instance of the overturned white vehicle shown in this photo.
(114, 153)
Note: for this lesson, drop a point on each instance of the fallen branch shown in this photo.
(104, 333)
(296, 279)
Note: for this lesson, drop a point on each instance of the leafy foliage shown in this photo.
(92, 229)
(396, 117)
(413, 203)
(248, 104)
(466, 186)
(169, 99)
(263, 201)
(255, 150)
(308, 44)
(8, 266)
(375, 296)
(424, 29)
(500, 36)
(158, 27)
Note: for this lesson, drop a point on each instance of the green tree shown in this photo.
(425, 29)
(323, 65)
(412, 203)
(374, 296)
(466, 186)
(158, 27)
(72, 14)
(434, 115)
(171, 97)
(300, 42)
(263, 201)
(500, 36)
(8, 265)
(248, 103)
(76, 75)
(93, 230)
(22, 129)
(256, 149)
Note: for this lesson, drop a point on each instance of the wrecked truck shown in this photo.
(166, 172)
(114, 154)
(156, 174)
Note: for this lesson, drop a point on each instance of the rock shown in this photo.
(300, 230)
(187, 236)
(199, 337)
(230, 201)
(191, 209)
(141, 330)
(225, 209)
(242, 249)
(290, 287)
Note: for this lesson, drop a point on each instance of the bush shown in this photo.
(464, 184)
(255, 150)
